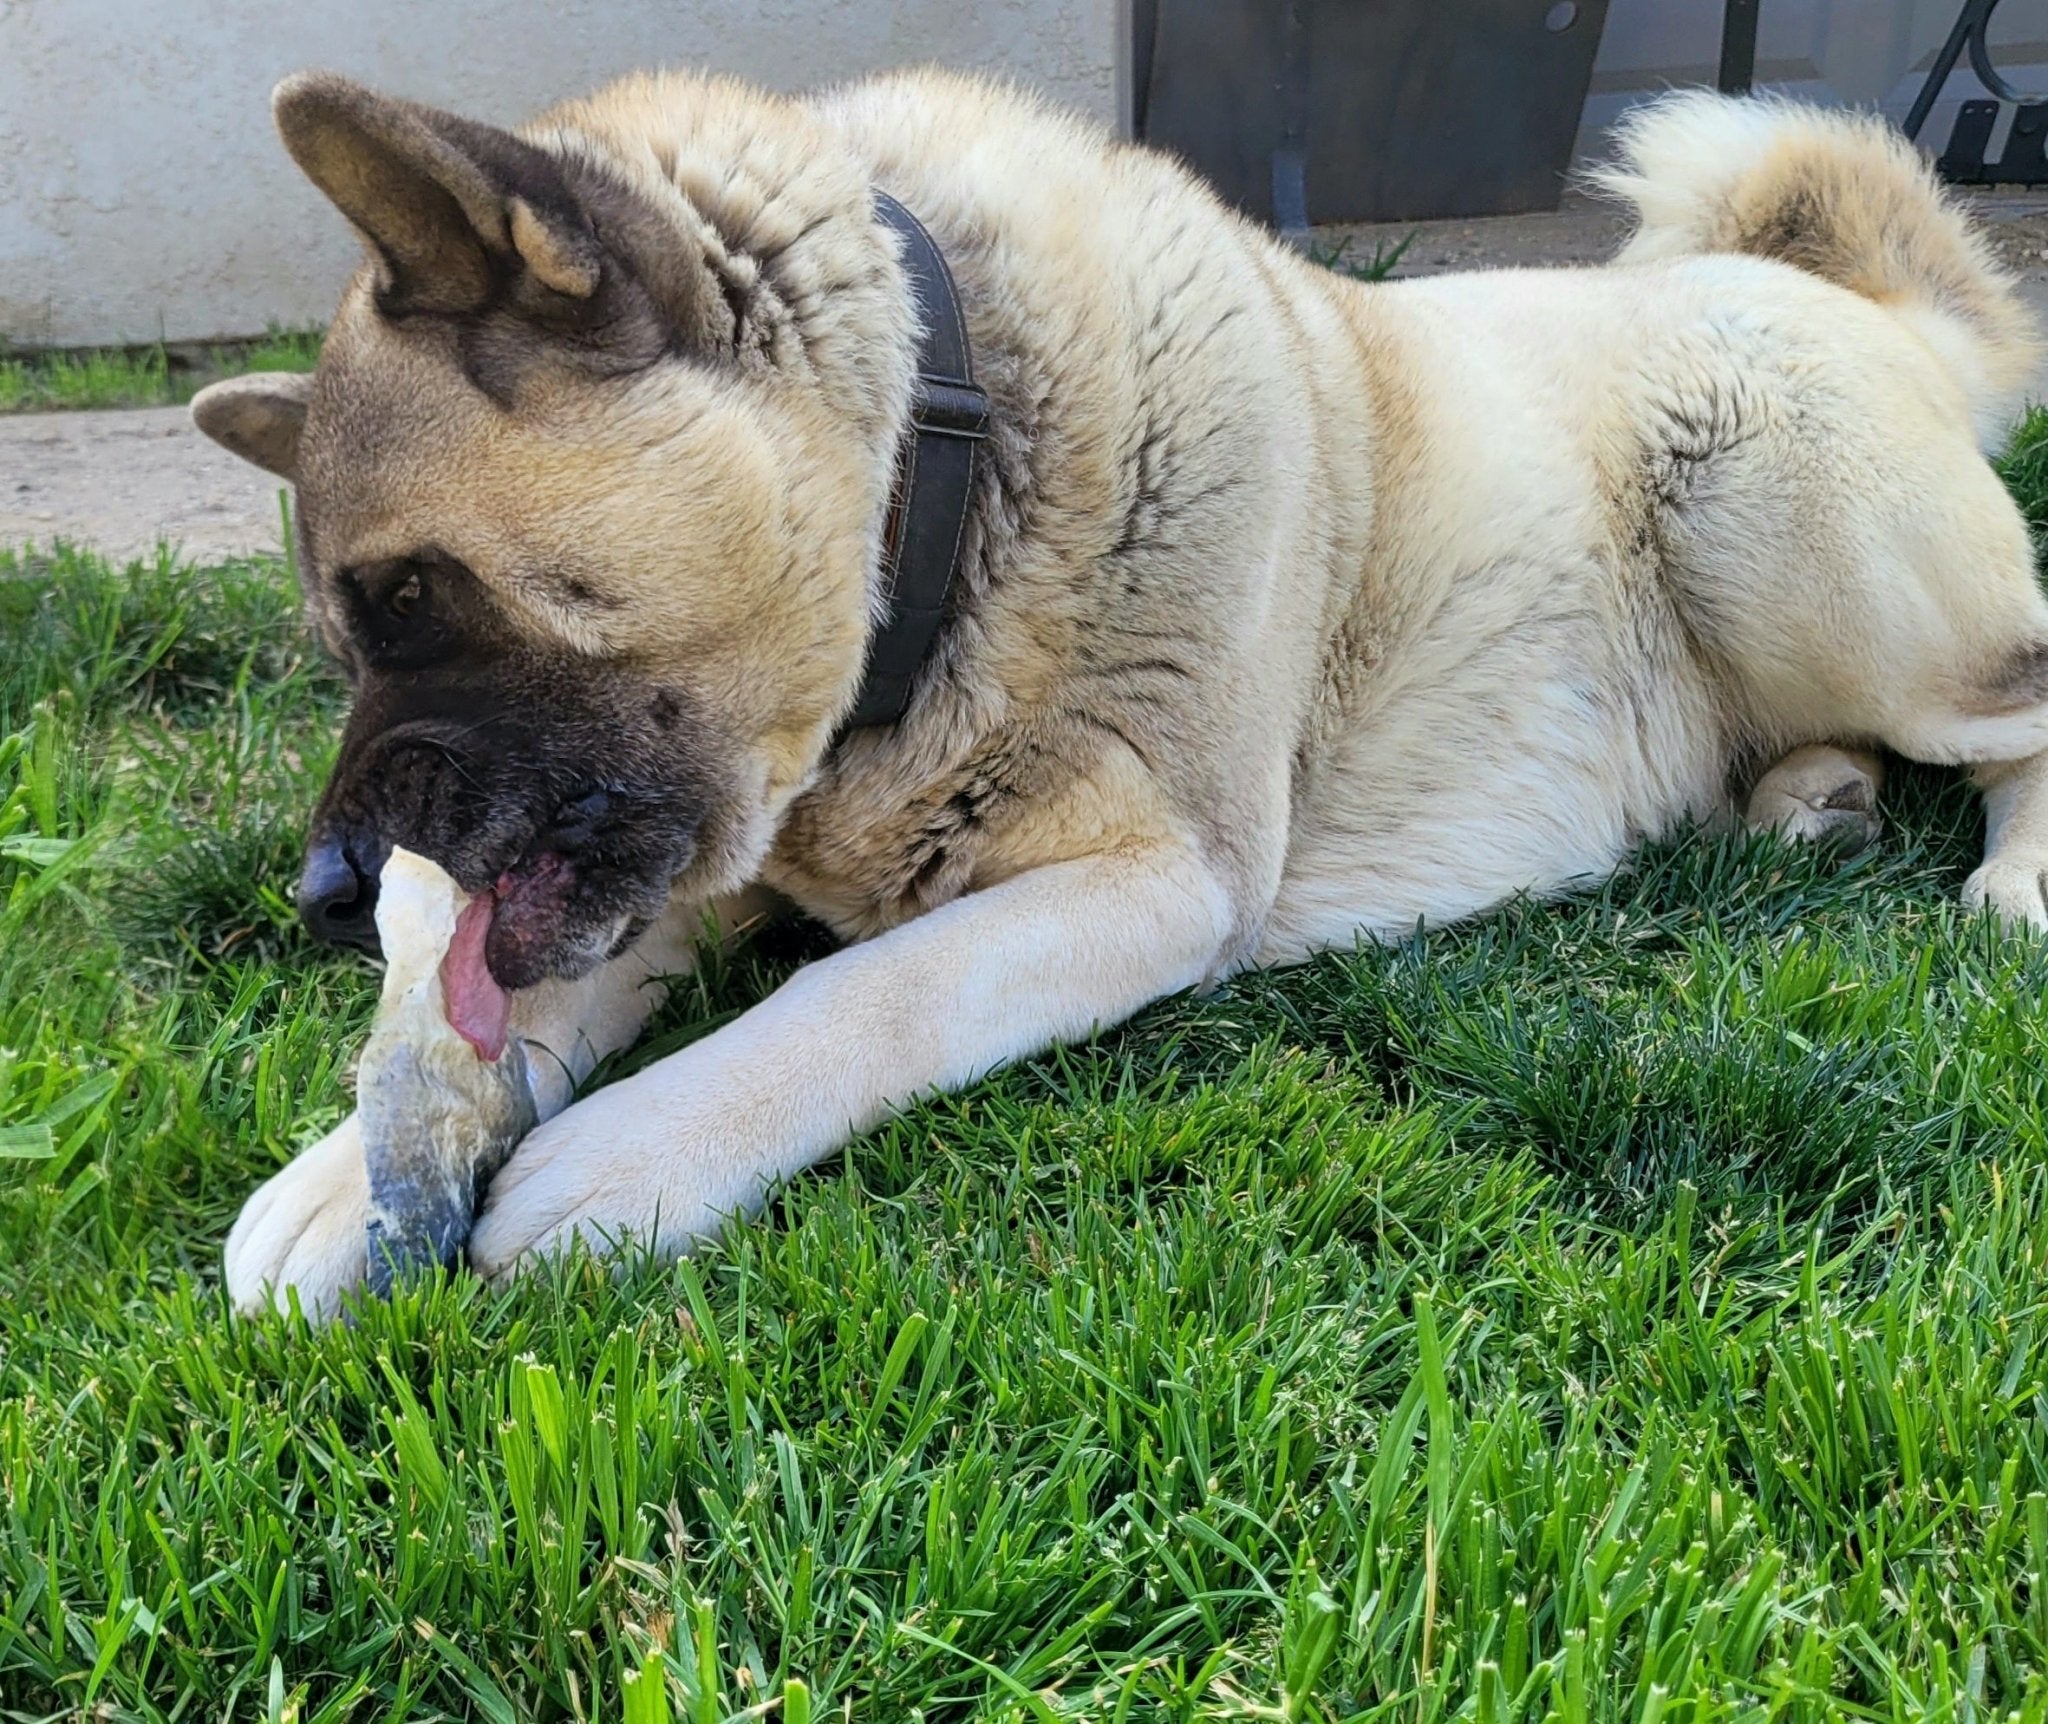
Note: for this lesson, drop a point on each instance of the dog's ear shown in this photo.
(258, 417)
(445, 205)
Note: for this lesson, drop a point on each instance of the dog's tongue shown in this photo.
(478, 1010)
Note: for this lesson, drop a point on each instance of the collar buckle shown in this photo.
(949, 408)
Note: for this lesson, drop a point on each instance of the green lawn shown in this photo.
(155, 376)
(1632, 1309)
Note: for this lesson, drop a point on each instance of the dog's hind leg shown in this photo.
(2012, 880)
(1820, 794)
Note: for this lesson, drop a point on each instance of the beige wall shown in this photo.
(143, 193)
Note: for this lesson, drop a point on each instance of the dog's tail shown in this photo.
(1842, 196)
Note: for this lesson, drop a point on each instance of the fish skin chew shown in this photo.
(438, 1119)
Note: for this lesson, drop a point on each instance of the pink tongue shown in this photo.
(478, 1010)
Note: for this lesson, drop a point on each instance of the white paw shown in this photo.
(304, 1229)
(1844, 829)
(1819, 795)
(2014, 888)
(618, 1169)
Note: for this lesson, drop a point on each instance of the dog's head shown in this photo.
(584, 510)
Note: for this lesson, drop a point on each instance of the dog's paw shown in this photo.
(2014, 888)
(1820, 795)
(629, 1167)
(559, 1187)
(303, 1230)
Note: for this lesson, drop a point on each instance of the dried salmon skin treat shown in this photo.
(443, 1091)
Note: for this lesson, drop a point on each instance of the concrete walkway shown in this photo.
(122, 481)
(119, 481)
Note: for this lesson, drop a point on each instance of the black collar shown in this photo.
(934, 480)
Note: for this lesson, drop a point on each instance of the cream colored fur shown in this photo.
(1843, 195)
(1296, 610)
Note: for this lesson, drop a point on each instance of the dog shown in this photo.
(1285, 610)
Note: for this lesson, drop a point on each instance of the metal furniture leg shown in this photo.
(1967, 32)
(1738, 47)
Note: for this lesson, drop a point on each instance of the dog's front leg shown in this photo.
(666, 1156)
(303, 1229)
(2012, 880)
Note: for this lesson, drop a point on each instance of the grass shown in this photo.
(152, 376)
(1628, 1309)
(1336, 254)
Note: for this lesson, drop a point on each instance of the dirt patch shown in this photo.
(1580, 231)
(1585, 230)
(2016, 223)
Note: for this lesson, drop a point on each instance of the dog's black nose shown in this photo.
(337, 896)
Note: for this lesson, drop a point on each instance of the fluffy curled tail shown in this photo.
(1842, 196)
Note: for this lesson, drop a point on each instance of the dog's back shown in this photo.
(1644, 523)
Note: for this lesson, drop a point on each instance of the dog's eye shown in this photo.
(404, 598)
(403, 610)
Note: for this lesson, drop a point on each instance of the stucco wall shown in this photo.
(144, 194)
